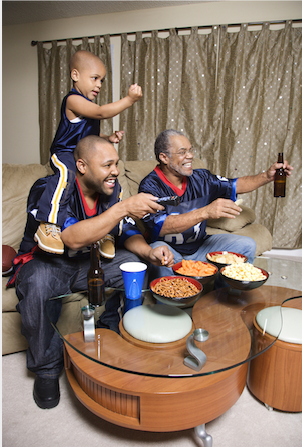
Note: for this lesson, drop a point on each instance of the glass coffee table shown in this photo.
(149, 386)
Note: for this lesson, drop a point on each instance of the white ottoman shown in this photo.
(157, 323)
(290, 320)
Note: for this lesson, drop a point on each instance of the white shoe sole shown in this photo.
(106, 255)
(45, 248)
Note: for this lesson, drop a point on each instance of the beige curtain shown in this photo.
(258, 113)
(238, 98)
(177, 76)
(55, 83)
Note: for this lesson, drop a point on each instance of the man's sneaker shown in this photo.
(46, 392)
(107, 246)
(48, 238)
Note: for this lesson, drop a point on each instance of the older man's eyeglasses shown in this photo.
(184, 152)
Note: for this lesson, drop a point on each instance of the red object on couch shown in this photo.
(8, 254)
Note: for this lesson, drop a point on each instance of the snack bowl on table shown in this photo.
(202, 279)
(221, 256)
(172, 282)
(244, 284)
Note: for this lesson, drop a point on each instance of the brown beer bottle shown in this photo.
(280, 179)
(95, 278)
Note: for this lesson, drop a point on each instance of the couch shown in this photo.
(16, 182)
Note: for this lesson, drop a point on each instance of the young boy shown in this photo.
(80, 117)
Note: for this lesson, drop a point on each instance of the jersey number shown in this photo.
(178, 238)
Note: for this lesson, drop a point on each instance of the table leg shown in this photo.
(268, 407)
(207, 439)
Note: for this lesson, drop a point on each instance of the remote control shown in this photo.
(172, 200)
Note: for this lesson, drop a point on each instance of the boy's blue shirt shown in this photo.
(68, 134)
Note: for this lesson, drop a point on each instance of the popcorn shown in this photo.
(243, 272)
(226, 258)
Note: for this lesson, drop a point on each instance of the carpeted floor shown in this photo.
(248, 423)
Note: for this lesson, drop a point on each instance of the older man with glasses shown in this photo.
(202, 196)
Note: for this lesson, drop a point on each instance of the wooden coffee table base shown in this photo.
(152, 403)
(163, 404)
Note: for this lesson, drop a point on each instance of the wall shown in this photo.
(20, 119)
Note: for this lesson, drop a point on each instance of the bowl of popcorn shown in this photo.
(244, 276)
(223, 258)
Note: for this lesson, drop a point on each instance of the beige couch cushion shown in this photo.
(9, 297)
(258, 232)
(123, 180)
(135, 171)
(16, 183)
(247, 216)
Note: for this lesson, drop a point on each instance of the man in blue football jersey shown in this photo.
(202, 196)
(94, 210)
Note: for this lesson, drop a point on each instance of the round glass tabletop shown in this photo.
(226, 321)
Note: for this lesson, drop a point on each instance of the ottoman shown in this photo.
(275, 376)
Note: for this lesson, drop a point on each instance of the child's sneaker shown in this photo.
(48, 238)
(107, 246)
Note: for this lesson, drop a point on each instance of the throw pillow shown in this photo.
(246, 216)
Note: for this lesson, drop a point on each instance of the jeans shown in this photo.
(216, 242)
(45, 277)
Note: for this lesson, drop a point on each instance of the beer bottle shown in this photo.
(95, 280)
(280, 179)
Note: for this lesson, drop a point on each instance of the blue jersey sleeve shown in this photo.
(234, 190)
(68, 222)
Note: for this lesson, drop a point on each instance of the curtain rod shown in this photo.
(274, 22)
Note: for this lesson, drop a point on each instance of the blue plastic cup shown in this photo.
(133, 277)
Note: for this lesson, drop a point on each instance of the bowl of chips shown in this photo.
(177, 291)
(200, 270)
(244, 276)
(223, 258)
